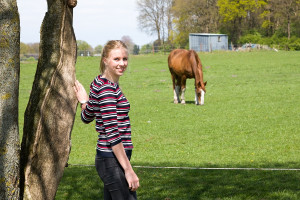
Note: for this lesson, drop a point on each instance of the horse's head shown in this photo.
(200, 92)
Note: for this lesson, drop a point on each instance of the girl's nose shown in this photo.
(122, 62)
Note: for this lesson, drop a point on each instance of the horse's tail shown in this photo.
(197, 69)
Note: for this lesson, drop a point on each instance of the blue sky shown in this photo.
(95, 21)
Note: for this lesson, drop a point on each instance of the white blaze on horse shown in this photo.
(185, 64)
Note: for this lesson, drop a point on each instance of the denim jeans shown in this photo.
(113, 177)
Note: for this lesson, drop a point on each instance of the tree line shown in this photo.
(270, 22)
(83, 48)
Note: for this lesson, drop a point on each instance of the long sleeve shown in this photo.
(88, 115)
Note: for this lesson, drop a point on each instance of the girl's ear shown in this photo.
(105, 61)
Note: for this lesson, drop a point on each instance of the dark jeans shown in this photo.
(113, 177)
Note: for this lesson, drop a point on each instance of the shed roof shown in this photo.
(208, 34)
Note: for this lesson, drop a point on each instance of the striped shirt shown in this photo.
(110, 108)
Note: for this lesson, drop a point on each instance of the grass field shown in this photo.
(251, 118)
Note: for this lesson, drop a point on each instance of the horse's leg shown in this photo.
(183, 86)
(196, 97)
(176, 94)
(175, 89)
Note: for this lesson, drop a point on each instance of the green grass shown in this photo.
(251, 118)
(159, 184)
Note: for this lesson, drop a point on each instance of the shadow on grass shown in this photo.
(81, 182)
(186, 102)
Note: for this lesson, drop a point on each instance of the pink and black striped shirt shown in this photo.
(110, 108)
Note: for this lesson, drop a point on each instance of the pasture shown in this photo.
(250, 119)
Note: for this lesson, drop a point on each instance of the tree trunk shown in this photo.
(50, 113)
(9, 94)
(289, 27)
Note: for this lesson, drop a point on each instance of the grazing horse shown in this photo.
(185, 64)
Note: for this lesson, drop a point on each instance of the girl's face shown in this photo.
(116, 63)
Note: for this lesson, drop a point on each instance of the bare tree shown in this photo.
(51, 109)
(9, 94)
(154, 17)
(129, 43)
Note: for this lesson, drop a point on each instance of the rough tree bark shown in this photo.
(9, 94)
(51, 109)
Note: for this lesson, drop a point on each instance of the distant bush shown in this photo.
(282, 43)
(30, 59)
(250, 38)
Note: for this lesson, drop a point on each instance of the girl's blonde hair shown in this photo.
(110, 45)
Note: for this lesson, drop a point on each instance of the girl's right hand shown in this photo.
(80, 92)
(132, 179)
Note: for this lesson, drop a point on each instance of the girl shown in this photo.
(109, 107)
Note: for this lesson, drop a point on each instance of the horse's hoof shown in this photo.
(176, 102)
(183, 102)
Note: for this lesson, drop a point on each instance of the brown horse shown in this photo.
(185, 64)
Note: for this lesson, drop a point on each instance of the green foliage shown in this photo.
(289, 44)
(30, 48)
(231, 10)
(282, 43)
(98, 49)
(23, 48)
(252, 38)
(294, 43)
(30, 59)
(147, 48)
(192, 16)
(83, 48)
(136, 50)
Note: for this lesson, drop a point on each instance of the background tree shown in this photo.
(98, 49)
(146, 48)
(281, 15)
(84, 49)
(233, 14)
(129, 43)
(29, 50)
(194, 16)
(136, 50)
(24, 48)
(154, 17)
(9, 94)
(33, 48)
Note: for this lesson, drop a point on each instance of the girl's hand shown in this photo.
(81, 94)
(132, 179)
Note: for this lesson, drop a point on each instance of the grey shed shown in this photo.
(208, 42)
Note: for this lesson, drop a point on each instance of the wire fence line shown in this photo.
(204, 168)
